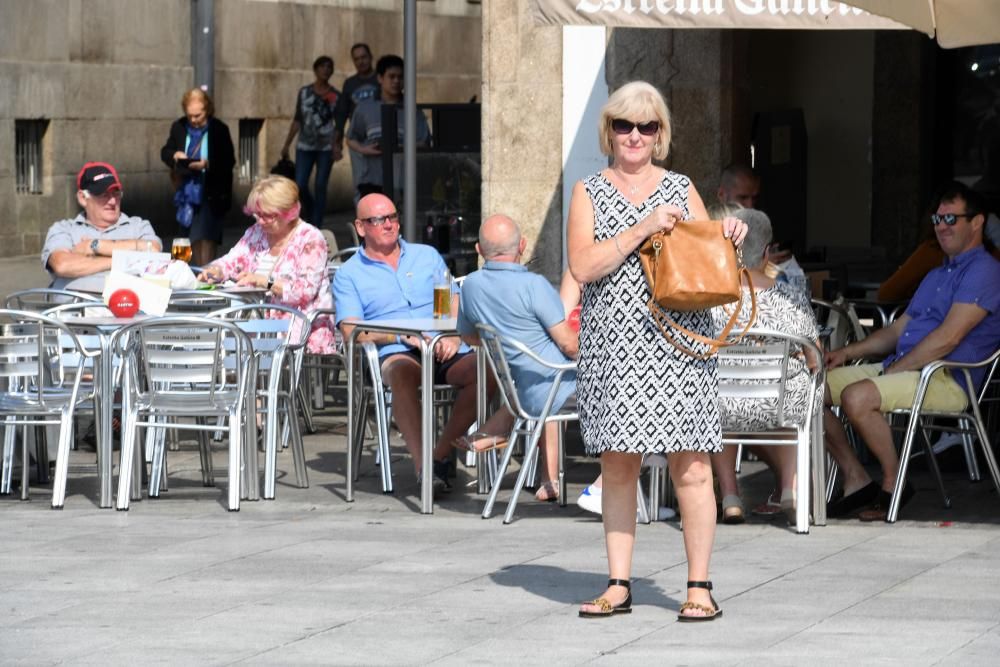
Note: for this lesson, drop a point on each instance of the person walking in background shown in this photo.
(315, 125)
(360, 86)
(636, 393)
(199, 152)
(365, 135)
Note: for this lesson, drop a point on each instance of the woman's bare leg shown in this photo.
(620, 473)
(691, 473)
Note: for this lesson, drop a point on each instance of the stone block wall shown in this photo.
(108, 76)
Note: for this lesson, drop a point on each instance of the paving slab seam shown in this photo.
(976, 638)
(862, 600)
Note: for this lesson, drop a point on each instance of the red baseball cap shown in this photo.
(97, 178)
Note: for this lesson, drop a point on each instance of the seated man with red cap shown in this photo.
(77, 251)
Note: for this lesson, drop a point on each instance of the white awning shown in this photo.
(955, 23)
(774, 14)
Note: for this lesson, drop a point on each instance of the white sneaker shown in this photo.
(947, 441)
(590, 499)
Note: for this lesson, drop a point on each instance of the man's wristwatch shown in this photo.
(270, 283)
(93, 247)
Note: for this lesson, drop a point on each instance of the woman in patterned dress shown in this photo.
(284, 254)
(784, 308)
(637, 394)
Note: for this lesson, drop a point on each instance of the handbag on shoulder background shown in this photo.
(694, 267)
(284, 167)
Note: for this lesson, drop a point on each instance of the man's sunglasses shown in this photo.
(379, 220)
(622, 126)
(949, 218)
(107, 196)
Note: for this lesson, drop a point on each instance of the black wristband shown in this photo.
(270, 283)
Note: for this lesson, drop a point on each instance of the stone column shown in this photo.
(522, 127)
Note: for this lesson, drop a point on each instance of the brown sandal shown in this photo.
(607, 609)
(711, 613)
(468, 443)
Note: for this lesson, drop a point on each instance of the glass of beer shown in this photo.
(442, 294)
(181, 249)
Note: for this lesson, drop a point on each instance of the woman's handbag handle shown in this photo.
(661, 318)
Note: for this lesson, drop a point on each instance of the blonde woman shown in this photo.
(283, 254)
(636, 393)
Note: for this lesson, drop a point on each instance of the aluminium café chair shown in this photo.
(379, 396)
(177, 367)
(42, 362)
(525, 424)
(757, 368)
(277, 343)
(322, 374)
(41, 299)
(970, 423)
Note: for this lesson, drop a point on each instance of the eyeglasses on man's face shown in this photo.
(379, 220)
(949, 218)
(105, 197)
(623, 126)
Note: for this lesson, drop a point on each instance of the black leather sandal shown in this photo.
(607, 609)
(711, 613)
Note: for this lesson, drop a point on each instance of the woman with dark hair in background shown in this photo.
(199, 152)
(315, 124)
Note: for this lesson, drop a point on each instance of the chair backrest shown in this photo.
(272, 329)
(493, 343)
(41, 299)
(202, 302)
(185, 353)
(39, 354)
(839, 323)
(758, 368)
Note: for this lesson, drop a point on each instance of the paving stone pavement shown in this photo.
(310, 579)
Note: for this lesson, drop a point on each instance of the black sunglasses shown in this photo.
(622, 126)
(949, 218)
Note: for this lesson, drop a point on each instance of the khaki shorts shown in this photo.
(898, 389)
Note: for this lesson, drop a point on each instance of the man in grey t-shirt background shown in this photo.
(77, 251)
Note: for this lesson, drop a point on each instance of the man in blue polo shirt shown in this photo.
(954, 315)
(523, 306)
(392, 279)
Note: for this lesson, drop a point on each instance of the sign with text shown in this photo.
(773, 14)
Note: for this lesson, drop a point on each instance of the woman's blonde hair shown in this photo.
(274, 194)
(201, 96)
(636, 101)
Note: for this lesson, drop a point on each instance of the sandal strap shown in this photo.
(620, 582)
(605, 606)
(707, 585)
(694, 605)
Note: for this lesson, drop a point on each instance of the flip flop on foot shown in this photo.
(480, 442)
(548, 492)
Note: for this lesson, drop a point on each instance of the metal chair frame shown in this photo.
(525, 424)
(159, 354)
(970, 422)
(44, 363)
(41, 299)
(766, 379)
(279, 366)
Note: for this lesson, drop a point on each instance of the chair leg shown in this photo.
(42, 449)
(803, 455)
(25, 459)
(529, 466)
(970, 453)
(9, 442)
(235, 460)
(504, 464)
(298, 447)
(128, 440)
(935, 470)
(62, 459)
(158, 437)
(984, 443)
(562, 464)
(205, 454)
(642, 504)
(904, 462)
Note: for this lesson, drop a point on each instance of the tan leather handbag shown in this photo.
(694, 267)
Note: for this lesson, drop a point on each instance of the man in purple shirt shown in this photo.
(954, 315)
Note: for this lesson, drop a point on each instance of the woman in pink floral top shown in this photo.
(284, 254)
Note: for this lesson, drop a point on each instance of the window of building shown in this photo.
(28, 135)
(249, 156)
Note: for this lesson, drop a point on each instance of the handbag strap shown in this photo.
(660, 317)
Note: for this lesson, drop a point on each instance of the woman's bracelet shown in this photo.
(618, 247)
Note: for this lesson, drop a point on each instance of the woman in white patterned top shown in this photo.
(783, 308)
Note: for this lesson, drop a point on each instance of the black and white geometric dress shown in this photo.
(636, 393)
